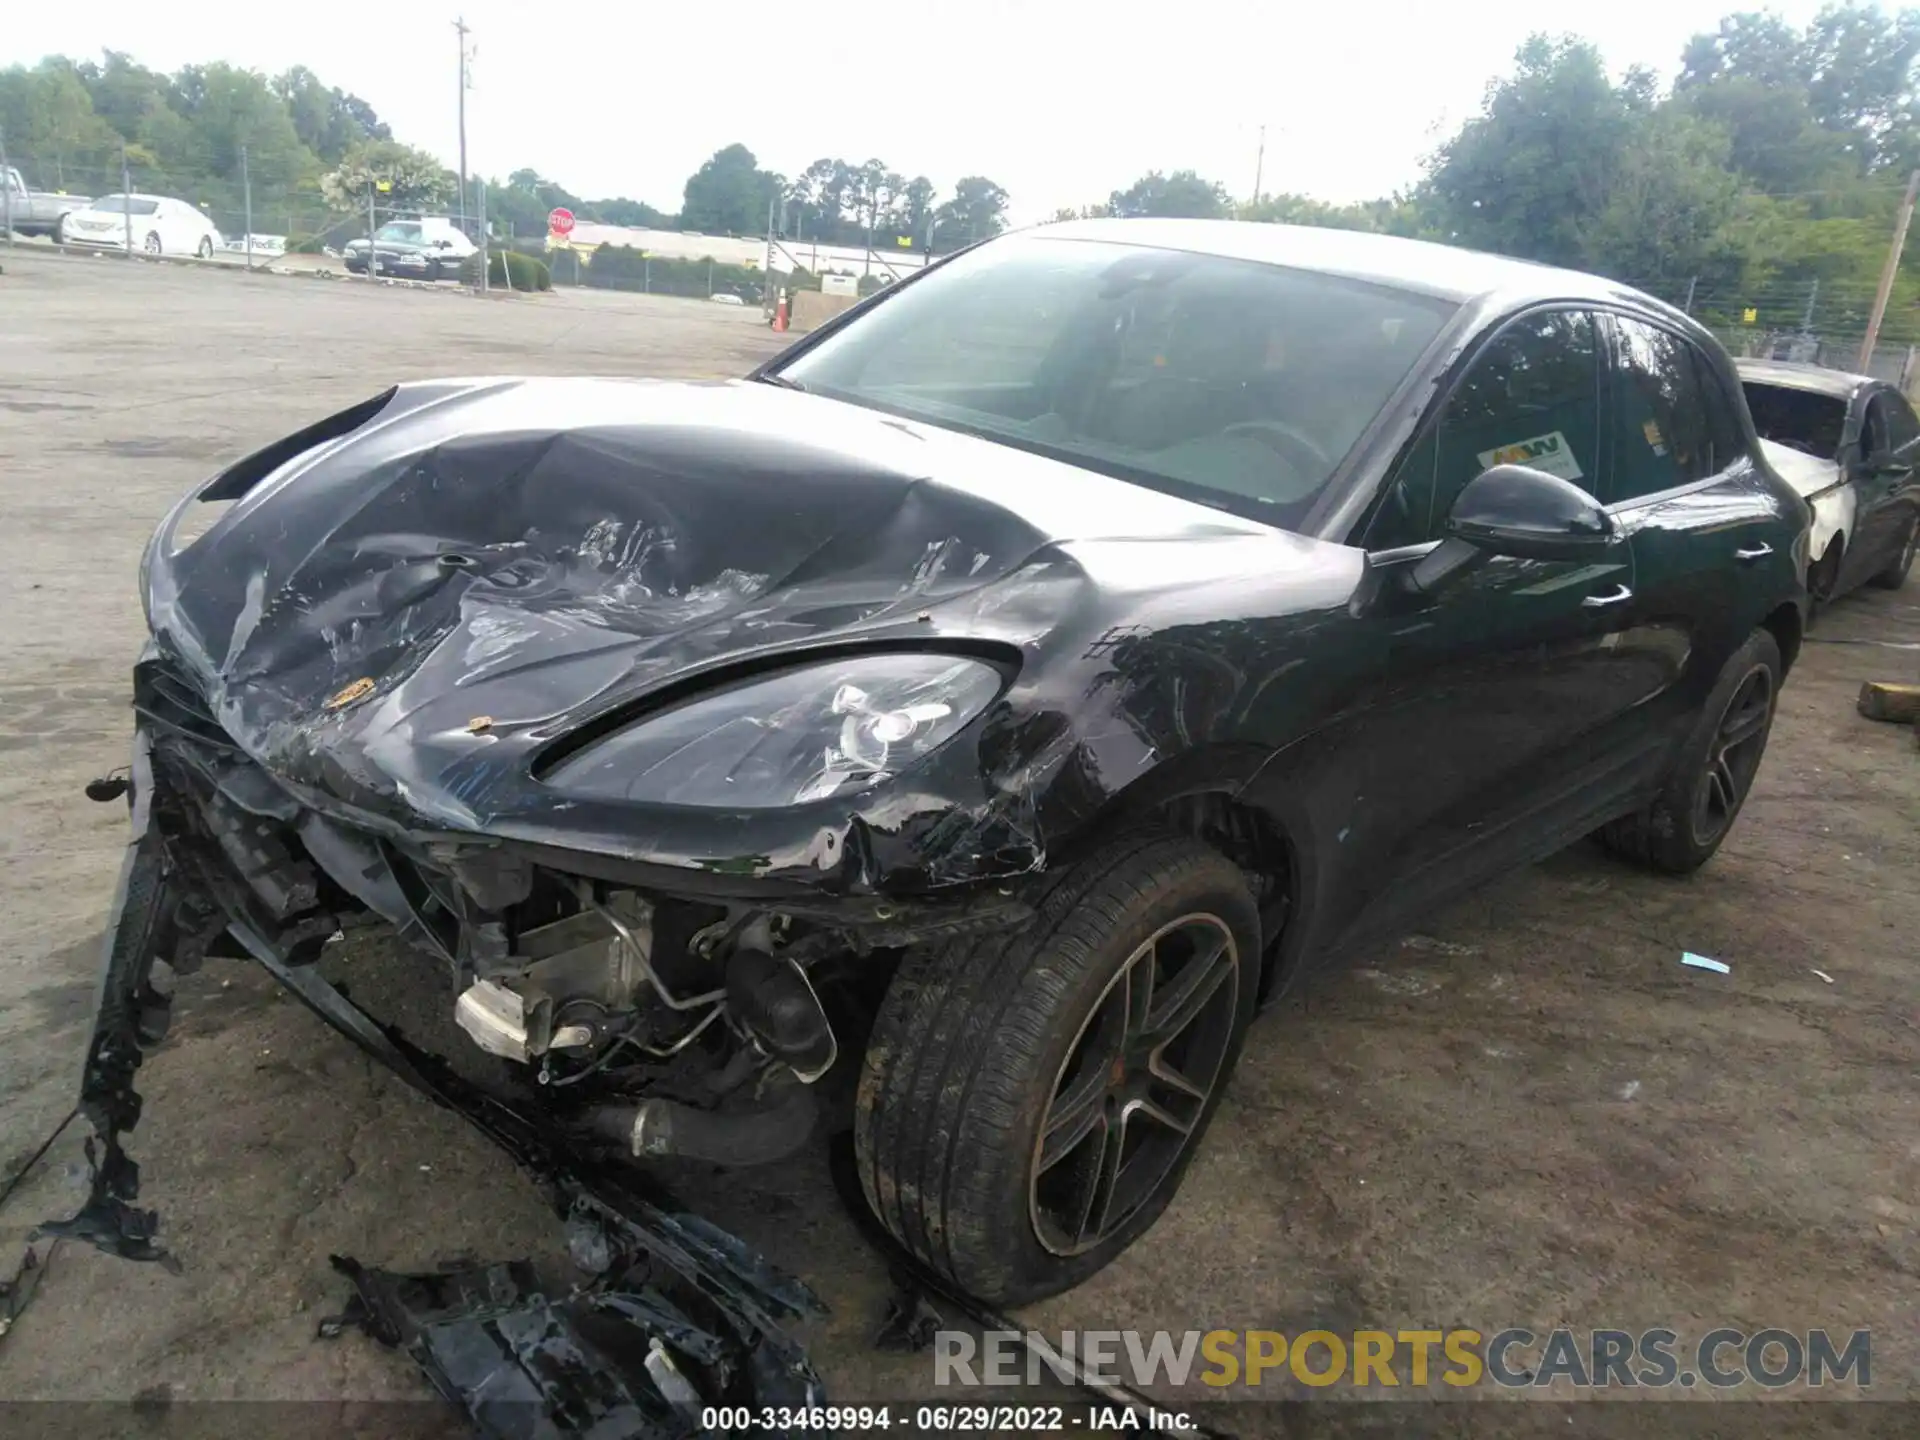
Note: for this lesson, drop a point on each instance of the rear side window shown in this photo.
(1664, 429)
(1531, 397)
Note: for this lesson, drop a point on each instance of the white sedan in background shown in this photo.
(159, 226)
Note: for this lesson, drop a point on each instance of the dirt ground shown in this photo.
(1527, 1114)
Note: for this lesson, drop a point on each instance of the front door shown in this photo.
(1492, 729)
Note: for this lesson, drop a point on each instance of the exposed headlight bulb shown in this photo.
(868, 734)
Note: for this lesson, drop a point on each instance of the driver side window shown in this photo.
(1531, 397)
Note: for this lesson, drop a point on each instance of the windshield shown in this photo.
(399, 232)
(1810, 423)
(1243, 385)
(122, 205)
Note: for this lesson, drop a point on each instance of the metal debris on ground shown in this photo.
(1701, 962)
(611, 1358)
(1824, 976)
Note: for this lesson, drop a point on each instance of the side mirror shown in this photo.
(1518, 511)
(1527, 513)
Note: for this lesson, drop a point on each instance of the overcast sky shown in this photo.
(1061, 102)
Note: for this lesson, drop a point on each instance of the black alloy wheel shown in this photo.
(1133, 1088)
(1029, 1100)
(1714, 771)
(1735, 758)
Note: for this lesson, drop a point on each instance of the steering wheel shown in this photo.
(1291, 444)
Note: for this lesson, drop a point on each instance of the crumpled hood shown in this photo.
(521, 555)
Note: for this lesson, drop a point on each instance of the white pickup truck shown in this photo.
(35, 212)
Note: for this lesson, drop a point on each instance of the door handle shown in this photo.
(1758, 552)
(1601, 602)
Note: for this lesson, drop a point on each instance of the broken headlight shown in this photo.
(811, 734)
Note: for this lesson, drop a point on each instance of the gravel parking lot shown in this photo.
(1527, 1114)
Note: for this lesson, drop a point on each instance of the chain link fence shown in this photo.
(287, 213)
(1811, 322)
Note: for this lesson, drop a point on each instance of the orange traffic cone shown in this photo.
(780, 314)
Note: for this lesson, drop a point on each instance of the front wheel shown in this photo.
(60, 231)
(205, 250)
(1029, 1103)
(1709, 783)
(153, 243)
(1895, 575)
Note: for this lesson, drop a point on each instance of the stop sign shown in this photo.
(560, 222)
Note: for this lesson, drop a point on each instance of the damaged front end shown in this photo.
(676, 1316)
(625, 788)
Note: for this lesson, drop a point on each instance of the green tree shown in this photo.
(49, 119)
(227, 108)
(1529, 173)
(729, 194)
(327, 120)
(977, 211)
(1182, 194)
(415, 179)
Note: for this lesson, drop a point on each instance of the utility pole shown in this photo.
(481, 189)
(1888, 274)
(460, 28)
(246, 198)
(1691, 283)
(1813, 296)
(373, 247)
(1259, 164)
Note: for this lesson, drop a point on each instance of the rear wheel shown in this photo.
(1029, 1103)
(1708, 785)
(205, 250)
(1895, 575)
(60, 231)
(153, 242)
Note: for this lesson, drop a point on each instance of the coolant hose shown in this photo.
(769, 1130)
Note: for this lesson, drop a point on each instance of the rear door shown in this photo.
(1713, 540)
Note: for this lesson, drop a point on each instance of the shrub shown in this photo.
(509, 268)
(306, 244)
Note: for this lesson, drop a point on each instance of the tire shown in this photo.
(60, 230)
(1895, 575)
(977, 1039)
(1823, 578)
(205, 248)
(153, 243)
(1709, 783)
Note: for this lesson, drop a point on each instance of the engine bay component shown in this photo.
(495, 1019)
(771, 1129)
(772, 999)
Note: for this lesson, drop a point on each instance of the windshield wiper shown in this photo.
(783, 382)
